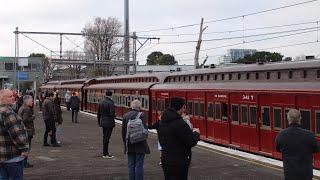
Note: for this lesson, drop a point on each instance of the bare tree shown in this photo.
(100, 41)
(73, 70)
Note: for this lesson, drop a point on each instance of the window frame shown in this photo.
(247, 121)
(255, 124)
(232, 121)
(302, 120)
(261, 113)
(196, 114)
(215, 110)
(315, 122)
(273, 117)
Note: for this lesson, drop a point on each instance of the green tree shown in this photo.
(158, 58)
(261, 56)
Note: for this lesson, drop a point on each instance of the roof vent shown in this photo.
(179, 69)
(150, 71)
(260, 63)
(172, 70)
(212, 66)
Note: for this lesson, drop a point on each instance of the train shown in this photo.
(239, 106)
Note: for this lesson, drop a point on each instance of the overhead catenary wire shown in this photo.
(239, 37)
(236, 30)
(289, 45)
(229, 18)
(40, 44)
(77, 45)
(247, 42)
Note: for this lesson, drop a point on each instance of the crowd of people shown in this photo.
(176, 135)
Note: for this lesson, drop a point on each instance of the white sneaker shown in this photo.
(59, 142)
(107, 156)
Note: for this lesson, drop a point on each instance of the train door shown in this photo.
(219, 123)
(308, 105)
(198, 119)
(162, 102)
(210, 118)
(153, 104)
(266, 140)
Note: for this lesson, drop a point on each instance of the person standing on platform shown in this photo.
(26, 113)
(50, 118)
(67, 99)
(135, 151)
(297, 146)
(13, 139)
(75, 107)
(59, 120)
(40, 98)
(176, 139)
(106, 115)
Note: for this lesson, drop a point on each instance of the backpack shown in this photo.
(136, 131)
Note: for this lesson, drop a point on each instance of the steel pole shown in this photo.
(126, 32)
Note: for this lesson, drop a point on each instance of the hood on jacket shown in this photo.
(170, 115)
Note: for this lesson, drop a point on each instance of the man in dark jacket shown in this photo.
(75, 107)
(49, 117)
(136, 151)
(176, 139)
(297, 146)
(106, 115)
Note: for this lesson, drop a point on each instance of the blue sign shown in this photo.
(22, 76)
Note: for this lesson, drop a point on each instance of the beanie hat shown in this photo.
(177, 103)
(108, 93)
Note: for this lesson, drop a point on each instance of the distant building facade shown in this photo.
(235, 54)
(26, 75)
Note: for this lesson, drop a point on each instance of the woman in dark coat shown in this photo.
(26, 113)
(59, 120)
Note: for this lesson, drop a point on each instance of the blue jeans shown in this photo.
(12, 171)
(135, 166)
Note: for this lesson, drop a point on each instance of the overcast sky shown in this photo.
(72, 15)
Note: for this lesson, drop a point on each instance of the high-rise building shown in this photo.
(236, 54)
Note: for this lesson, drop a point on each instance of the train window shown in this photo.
(279, 75)
(210, 110)
(230, 76)
(222, 76)
(195, 78)
(265, 116)
(244, 115)
(304, 73)
(189, 78)
(179, 78)
(268, 75)
(208, 77)
(142, 102)
(290, 74)
(239, 76)
(184, 78)
(318, 73)
(305, 119)
(196, 108)
(218, 111)
(201, 109)
(189, 108)
(235, 113)
(201, 77)
(224, 111)
(248, 75)
(317, 118)
(253, 115)
(215, 77)
(257, 75)
(154, 107)
(277, 117)
(147, 103)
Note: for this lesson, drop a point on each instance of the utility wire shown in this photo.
(236, 30)
(289, 45)
(239, 37)
(247, 42)
(39, 44)
(230, 18)
(77, 45)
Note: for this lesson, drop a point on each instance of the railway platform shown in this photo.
(79, 157)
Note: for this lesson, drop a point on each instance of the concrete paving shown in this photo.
(80, 157)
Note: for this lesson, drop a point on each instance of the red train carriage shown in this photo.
(125, 89)
(247, 116)
(75, 85)
(50, 86)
